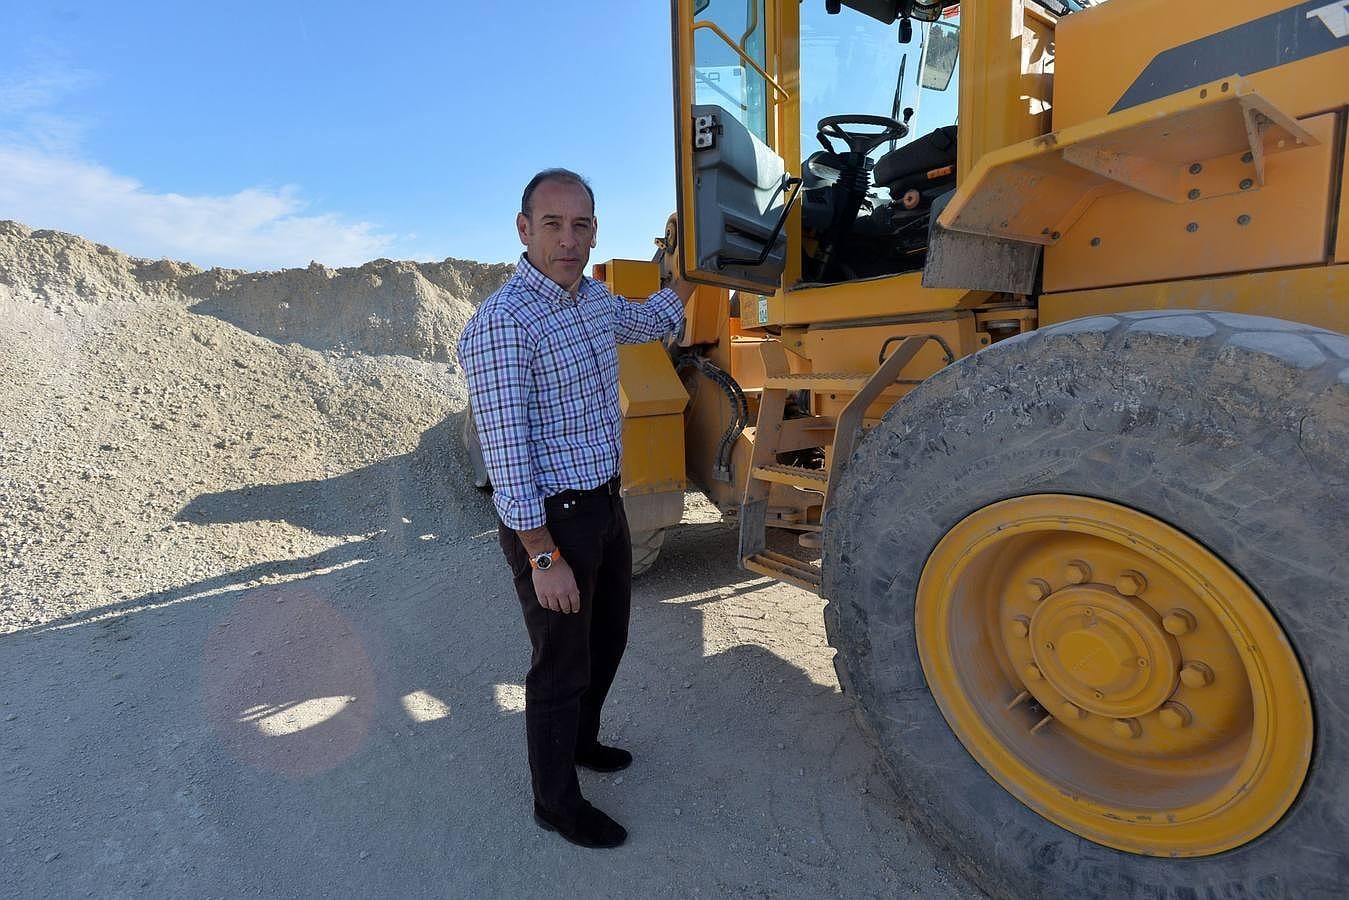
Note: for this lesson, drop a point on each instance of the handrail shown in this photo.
(715, 29)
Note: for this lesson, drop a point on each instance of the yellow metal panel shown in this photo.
(1342, 231)
(1101, 51)
(1036, 190)
(858, 350)
(704, 315)
(653, 454)
(1131, 237)
(647, 383)
(747, 362)
(894, 295)
(1005, 78)
(1315, 296)
(634, 279)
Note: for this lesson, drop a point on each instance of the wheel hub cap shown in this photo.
(1104, 652)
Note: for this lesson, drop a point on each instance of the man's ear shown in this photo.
(522, 226)
(594, 232)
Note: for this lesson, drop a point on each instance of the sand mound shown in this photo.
(167, 429)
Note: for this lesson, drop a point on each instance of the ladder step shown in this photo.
(838, 382)
(796, 476)
(804, 575)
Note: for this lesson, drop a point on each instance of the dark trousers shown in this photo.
(575, 655)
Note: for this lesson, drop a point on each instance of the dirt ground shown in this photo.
(256, 636)
(356, 730)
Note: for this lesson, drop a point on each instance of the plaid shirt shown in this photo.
(542, 369)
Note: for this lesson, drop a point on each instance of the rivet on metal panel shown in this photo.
(1055, 236)
(1196, 168)
(1096, 242)
(1247, 184)
(1243, 219)
(1247, 157)
(1194, 194)
(1192, 227)
(1203, 93)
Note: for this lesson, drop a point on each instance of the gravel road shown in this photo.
(356, 731)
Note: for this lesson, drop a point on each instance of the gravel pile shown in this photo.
(164, 427)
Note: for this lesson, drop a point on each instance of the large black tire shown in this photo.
(646, 550)
(1231, 428)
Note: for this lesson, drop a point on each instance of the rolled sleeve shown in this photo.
(637, 323)
(496, 353)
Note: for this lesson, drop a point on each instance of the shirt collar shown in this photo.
(545, 287)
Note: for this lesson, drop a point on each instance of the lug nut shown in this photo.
(1020, 626)
(1175, 716)
(1131, 584)
(1178, 622)
(1196, 675)
(1032, 673)
(1037, 589)
(1126, 728)
(1077, 572)
(1073, 711)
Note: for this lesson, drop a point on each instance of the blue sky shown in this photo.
(263, 135)
(266, 134)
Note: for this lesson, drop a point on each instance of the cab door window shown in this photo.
(720, 75)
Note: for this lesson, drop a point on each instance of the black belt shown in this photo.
(569, 498)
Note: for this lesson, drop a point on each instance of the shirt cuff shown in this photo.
(671, 308)
(519, 515)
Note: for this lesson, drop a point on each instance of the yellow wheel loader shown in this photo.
(1021, 338)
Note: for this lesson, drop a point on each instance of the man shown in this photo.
(541, 360)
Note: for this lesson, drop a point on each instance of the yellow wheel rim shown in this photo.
(1114, 675)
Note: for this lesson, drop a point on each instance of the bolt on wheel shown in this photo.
(1114, 675)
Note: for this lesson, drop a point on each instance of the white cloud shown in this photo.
(46, 182)
(253, 228)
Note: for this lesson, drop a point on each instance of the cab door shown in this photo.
(734, 190)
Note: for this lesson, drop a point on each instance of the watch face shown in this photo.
(543, 560)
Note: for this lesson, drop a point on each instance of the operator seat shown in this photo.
(907, 166)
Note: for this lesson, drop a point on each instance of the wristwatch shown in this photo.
(544, 561)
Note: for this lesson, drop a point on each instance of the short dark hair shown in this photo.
(566, 176)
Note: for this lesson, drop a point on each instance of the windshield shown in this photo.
(852, 63)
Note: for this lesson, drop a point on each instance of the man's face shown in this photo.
(559, 232)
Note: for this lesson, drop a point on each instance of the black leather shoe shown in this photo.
(600, 758)
(592, 829)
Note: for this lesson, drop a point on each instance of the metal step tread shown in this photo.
(811, 479)
(819, 381)
(803, 574)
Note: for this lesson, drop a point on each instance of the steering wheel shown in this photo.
(861, 142)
